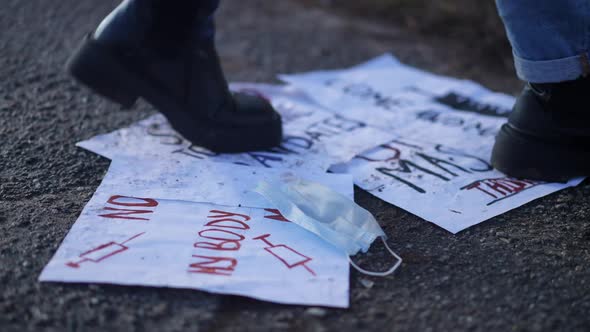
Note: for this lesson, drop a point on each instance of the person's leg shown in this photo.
(164, 51)
(550, 39)
(547, 136)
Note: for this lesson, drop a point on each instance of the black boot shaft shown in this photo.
(570, 96)
(557, 110)
(166, 27)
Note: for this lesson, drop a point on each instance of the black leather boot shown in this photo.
(547, 136)
(154, 49)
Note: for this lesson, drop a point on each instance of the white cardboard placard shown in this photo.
(438, 167)
(219, 249)
(313, 137)
(444, 185)
(207, 182)
(143, 227)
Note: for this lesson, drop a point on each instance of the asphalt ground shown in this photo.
(526, 270)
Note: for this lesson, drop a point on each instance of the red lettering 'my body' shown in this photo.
(222, 236)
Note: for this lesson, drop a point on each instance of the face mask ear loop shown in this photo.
(379, 274)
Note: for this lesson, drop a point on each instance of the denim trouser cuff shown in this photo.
(551, 71)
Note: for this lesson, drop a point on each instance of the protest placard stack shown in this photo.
(172, 214)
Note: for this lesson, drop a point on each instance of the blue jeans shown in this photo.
(550, 38)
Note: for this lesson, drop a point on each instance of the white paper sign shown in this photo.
(314, 138)
(142, 227)
(207, 182)
(438, 167)
(411, 103)
(229, 250)
(442, 184)
(386, 84)
(342, 137)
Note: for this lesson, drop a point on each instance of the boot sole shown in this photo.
(102, 70)
(523, 156)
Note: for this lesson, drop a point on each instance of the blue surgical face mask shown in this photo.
(330, 215)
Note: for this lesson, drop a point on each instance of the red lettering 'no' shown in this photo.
(129, 202)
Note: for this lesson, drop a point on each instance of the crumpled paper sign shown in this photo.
(143, 227)
(314, 138)
(438, 167)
